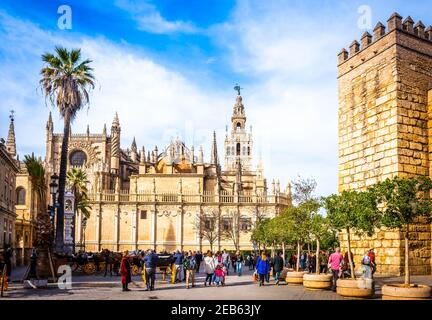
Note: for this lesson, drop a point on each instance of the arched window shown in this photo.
(238, 125)
(248, 151)
(78, 158)
(238, 149)
(228, 151)
(20, 196)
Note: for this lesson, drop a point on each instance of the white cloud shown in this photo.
(150, 20)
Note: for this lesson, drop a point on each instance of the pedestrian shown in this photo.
(189, 264)
(262, 267)
(8, 261)
(334, 262)
(209, 268)
(198, 258)
(251, 261)
(323, 261)
(178, 263)
(33, 263)
(303, 261)
(125, 271)
(150, 261)
(278, 264)
(312, 263)
(225, 259)
(371, 255)
(234, 261)
(366, 265)
(267, 277)
(220, 274)
(108, 262)
(239, 262)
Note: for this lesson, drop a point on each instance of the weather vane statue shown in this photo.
(237, 88)
(12, 112)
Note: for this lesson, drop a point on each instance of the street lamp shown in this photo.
(83, 224)
(53, 190)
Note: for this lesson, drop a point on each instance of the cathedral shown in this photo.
(166, 198)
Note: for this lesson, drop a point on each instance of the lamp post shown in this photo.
(83, 225)
(53, 190)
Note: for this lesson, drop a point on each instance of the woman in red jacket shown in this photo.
(125, 271)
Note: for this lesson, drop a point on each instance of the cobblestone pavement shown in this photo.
(238, 288)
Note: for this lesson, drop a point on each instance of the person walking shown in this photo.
(278, 264)
(198, 258)
(239, 262)
(178, 263)
(108, 262)
(262, 267)
(312, 263)
(125, 271)
(234, 261)
(8, 261)
(371, 255)
(225, 260)
(189, 264)
(209, 268)
(366, 265)
(334, 262)
(303, 261)
(149, 262)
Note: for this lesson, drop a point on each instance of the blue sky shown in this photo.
(169, 66)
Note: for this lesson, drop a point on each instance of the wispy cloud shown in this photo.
(149, 19)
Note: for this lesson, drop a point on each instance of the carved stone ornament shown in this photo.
(91, 151)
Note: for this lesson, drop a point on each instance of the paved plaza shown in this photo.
(237, 288)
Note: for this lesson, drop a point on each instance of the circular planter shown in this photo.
(355, 288)
(294, 278)
(403, 292)
(317, 281)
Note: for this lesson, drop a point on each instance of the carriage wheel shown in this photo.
(135, 270)
(89, 268)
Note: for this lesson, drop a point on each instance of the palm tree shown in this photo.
(77, 182)
(44, 231)
(66, 81)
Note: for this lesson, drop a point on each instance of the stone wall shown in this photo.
(383, 129)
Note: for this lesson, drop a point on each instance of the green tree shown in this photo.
(403, 202)
(44, 232)
(353, 211)
(77, 182)
(66, 82)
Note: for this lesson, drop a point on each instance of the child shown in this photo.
(219, 273)
(225, 271)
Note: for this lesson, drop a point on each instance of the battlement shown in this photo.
(395, 22)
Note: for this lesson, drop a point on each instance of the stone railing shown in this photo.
(171, 196)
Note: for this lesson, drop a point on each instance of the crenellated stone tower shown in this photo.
(385, 105)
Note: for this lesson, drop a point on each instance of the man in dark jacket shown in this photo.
(8, 260)
(198, 258)
(178, 262)
(150, 262)
(278, 264)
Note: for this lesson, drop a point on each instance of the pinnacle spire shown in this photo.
(214, 155)
(134, 145)
(10, 143)
(116, 121)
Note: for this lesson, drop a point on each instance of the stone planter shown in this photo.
(294, 278)
(317, 281)
(355, 288)
(402, 292)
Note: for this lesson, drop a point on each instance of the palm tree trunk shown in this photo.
(62, 183)
(317, 256)
(349, 254)
(407, 270)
